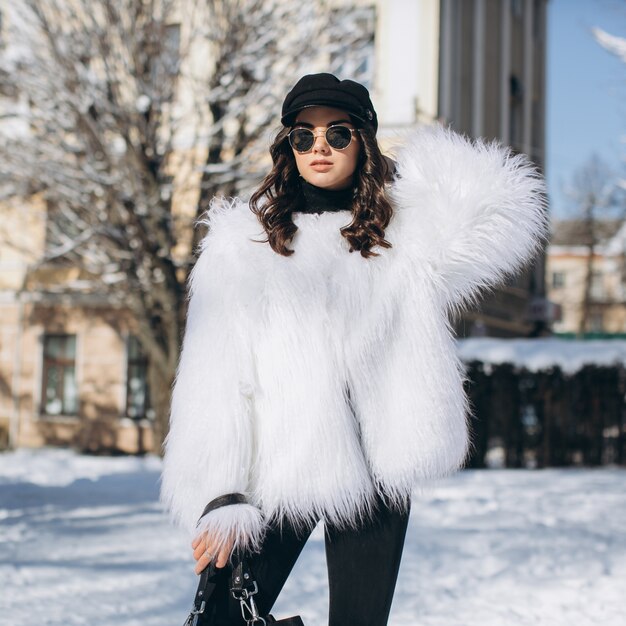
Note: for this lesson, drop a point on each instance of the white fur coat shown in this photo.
(274, 344)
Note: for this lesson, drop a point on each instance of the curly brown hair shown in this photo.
(280, 193)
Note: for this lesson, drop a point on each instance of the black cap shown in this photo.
(327, 90)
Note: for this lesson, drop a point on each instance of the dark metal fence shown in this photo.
(548, 418)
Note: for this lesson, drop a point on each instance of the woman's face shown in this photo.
(322, 165)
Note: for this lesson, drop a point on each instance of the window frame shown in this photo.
(47, 362)
(140, 361)
(560, 283)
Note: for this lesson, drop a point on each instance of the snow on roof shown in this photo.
(543, 353)
(577, 232)
(574, 237)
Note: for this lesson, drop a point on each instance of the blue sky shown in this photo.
(586, 91)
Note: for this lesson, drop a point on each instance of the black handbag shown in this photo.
(243, 586)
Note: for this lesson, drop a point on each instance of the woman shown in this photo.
(318, 377)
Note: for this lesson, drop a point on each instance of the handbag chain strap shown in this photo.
(243, 588)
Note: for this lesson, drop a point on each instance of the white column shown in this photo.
(445, 106)
(527, 104)
(397, 65)
(428, 60)
(478, 69)
(505, 69)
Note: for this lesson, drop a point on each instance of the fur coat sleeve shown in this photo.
(208, 446)
(472, 209)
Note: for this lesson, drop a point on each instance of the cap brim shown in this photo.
(287, 118)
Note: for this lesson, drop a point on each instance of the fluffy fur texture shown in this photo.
(313, 381)
(242, 523)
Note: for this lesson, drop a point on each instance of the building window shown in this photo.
(60, 392)
(137, 391)
(597, 286)
(622, 270)
(558, 280)
(596, 322)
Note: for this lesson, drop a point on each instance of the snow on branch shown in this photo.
(613, 44)
(120, 114)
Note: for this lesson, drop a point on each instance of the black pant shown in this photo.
(362, 569)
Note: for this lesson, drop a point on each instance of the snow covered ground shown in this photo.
(83, 541)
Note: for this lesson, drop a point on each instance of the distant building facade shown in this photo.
(480, 66)
(492, 75)
(572, 271)
(71, 369)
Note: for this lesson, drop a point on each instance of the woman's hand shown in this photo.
(204, 552)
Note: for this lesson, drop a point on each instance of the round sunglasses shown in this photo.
(337, 137)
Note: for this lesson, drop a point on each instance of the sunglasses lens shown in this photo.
(301, 139)
(338, 137)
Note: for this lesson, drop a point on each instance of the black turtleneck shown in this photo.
(319, 200)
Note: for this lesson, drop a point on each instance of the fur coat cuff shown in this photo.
(242, 522)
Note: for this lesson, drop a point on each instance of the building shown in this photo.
(478, 65)
(586, 285)
(492, 84)
(71, 369)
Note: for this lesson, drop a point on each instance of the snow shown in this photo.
(542, 353)
(83, 540)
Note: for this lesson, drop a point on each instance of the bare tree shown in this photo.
(133, 111)
(260, 48)
(594, 197)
